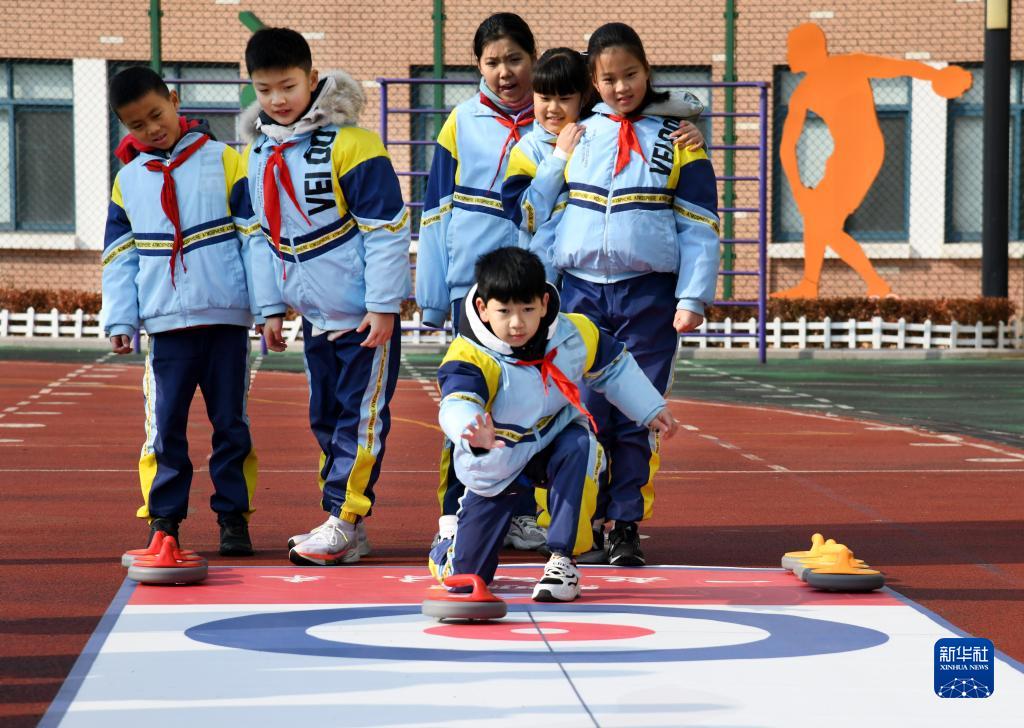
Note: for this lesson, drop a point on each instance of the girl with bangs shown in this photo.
(536, 195)
(635, 241)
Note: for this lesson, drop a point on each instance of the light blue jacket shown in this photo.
(479, 374)
(659, 214)
(535, 192)
(462, 211)
(353, 255)
(211, 276)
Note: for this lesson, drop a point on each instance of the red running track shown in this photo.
(739, 486)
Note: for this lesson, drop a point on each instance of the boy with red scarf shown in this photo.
(334, 247)
(175, 263)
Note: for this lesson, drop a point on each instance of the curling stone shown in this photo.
(152, 550)
(827, 558)
(170, 566)
(845, 576)
(791, 559)
(480, 604)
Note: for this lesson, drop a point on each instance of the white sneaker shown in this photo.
(560, 583)
(362, 542)
(332, 543)
(525, 535)
(446, 526)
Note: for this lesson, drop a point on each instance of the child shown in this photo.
(463, 220)
(174, 262)
(640, 229)
(534, 192)
(511, 401)
(335, 247)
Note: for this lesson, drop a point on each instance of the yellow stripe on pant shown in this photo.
(446, 464)
(370, 426)
(250, 466)
(588, 505)
(647, 489)
(147, 458)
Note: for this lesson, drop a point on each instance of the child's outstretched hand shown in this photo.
(121, 344)
(665, 424)
(686, 320)
(687, 136)
(570, 136)
(273, 333)
(382, 325)
(480, 434)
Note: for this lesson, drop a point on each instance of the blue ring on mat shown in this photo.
(287, 633)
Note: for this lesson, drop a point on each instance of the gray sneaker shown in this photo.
(525, 535)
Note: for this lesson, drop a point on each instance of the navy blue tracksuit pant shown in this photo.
(568, 468)
(451, 490)
(215, 359)
(350, 390)
(638, 312)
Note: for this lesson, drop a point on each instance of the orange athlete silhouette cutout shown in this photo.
(837, 89)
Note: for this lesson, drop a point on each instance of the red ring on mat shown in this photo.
(529, 631)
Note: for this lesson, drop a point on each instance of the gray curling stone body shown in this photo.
(465, 610)
(168, 575)
(801, 571)
(845, 582)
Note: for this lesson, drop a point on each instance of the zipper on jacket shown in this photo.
(607, 220)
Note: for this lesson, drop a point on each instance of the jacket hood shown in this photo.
(338, 99)
(679, 104)
(473, 328)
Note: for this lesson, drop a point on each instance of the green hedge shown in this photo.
(915, 310)
(43, 299)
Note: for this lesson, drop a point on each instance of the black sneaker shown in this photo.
(597, 554)
(167, 525)
(234, 535)
(625, 545)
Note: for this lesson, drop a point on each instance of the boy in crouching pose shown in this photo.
(511, 403)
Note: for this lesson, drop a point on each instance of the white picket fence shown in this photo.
(800, 334)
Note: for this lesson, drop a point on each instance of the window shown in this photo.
(37, 180)
(963, 160)
(884, 212)
(216, 103)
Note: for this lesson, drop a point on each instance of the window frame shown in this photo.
(955, 110)
(9, 106)
(779, 112)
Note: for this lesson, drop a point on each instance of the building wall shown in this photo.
(387, 38)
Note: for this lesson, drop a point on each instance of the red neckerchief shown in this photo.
(130, 147)
(512, 123)
(628, 141)
(272, 199)
(169, 197)
(564, 384)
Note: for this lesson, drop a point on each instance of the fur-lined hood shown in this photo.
(338, 99)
